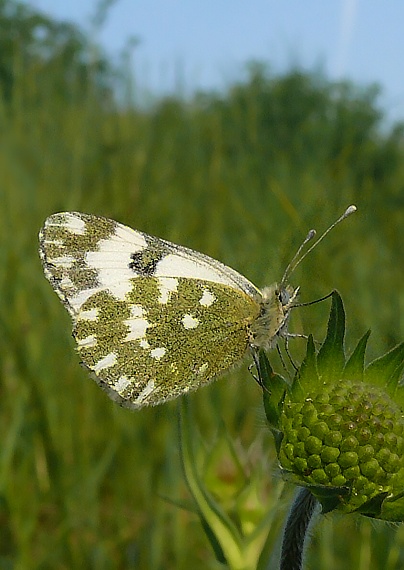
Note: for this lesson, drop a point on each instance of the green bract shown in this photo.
(339, 426)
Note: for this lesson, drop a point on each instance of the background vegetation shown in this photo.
(240, 175)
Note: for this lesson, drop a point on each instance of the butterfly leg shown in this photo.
(250, 370)
(278, 350)
(297, 335)
(256, 377)
(290, 335)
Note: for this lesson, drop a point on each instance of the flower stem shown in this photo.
(296, 529)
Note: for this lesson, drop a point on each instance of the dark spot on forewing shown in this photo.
(139, 265)
(144, 262)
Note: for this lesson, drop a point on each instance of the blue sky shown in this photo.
(205, 43)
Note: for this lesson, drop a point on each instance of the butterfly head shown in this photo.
(275, 305)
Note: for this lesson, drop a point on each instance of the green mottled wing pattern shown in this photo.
(152, 320)
(148, 352)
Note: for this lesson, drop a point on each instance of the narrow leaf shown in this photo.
(354, 368)
(329, 497)
(331, 357)
(227, 541)
(274, 388)
(386, 371)
(373, 507)
(392, 510)
(307, 377)
(215, 544)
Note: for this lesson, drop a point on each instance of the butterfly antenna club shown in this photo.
(296, 260)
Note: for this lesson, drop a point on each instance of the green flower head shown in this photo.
(339, 426)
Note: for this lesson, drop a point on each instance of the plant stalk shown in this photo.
(296, 530)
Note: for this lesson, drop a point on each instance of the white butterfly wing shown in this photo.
(152, 319)
(83, 254)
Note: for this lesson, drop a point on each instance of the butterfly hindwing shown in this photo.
(146, 351)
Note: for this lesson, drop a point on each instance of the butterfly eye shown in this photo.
(283, 297)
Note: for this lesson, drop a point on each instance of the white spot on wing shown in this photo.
(136, 311)
(53, 241)
(147, 390)
(207, 299)
(77, 301)
(121, 384)
(144, 344)
(71, 222)
(167, 286)
(125, 234)
(190, 322)
(87, 342)
(173, 265)
(66, 283)
(106, 362)
(64, 262)
(89, 314)
(158, 353)
(112, 260)
(195, 265)
(202, 369)
(137, 328)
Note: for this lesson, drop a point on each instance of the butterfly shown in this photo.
(153, 320)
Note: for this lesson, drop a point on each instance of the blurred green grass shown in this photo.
(241, 176)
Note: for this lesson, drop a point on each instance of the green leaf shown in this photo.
(328, 496)
(355, 366)
(240, 551)
(373, 507)
(274, 389)
(227, 541)
(399, 395)
(386, 371)
(331, 356)
(392, 510)
(307, 378)
(215, 544)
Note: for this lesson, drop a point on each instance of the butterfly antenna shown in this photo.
(296, 260)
